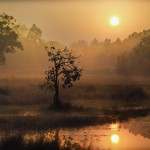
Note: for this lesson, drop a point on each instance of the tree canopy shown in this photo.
(136, 61)
(34, 33)
(8, 36)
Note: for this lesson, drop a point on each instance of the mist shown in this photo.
(74, 75)
(96, 57)
(70, 21)
(81, 26)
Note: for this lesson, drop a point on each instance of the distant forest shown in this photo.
(130, 56)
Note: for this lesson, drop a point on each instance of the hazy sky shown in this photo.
(68, 21)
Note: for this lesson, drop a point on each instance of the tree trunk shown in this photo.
(56, 95)
(56, 88)
(56, 98)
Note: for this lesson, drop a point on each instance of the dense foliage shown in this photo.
(8, 36)
(137, 61)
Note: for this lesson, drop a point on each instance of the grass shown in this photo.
(4, 91)
(24, 106)
(29, 92)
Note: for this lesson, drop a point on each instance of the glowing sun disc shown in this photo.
(115, 138)
(114, 21)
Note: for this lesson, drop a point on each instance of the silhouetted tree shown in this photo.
(8, 36)
(79, 45)
(64, 66)
(107, 42)
(136, 61)
(35, 33)
(118, 41)
(94, 42)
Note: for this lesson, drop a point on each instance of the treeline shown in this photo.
(126, 57)
(119, 56)
(136, 61)
(32, 57)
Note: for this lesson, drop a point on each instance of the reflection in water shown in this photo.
(33, 137)
(112, 136)
(139, 126)
(115, 126)
(115, 138)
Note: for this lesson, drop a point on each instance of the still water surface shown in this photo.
(134, 135)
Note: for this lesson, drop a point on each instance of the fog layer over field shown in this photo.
(96, 56)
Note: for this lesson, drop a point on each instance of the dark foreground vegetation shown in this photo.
(17, 142)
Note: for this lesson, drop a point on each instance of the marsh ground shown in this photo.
(23, 99)
(24, 106)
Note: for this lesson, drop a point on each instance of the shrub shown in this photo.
(128, 93)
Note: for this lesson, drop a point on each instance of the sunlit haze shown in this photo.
(69, 21)
(75, 74)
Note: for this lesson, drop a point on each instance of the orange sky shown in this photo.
(69, 21)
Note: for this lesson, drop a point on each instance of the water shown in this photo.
(133, 135)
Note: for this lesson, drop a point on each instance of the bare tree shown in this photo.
(64, 67)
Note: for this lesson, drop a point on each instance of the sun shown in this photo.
(115, 138)
(114, 21)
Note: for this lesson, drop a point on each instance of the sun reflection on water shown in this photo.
(115, 138)
(115, 126)
(114, 135)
